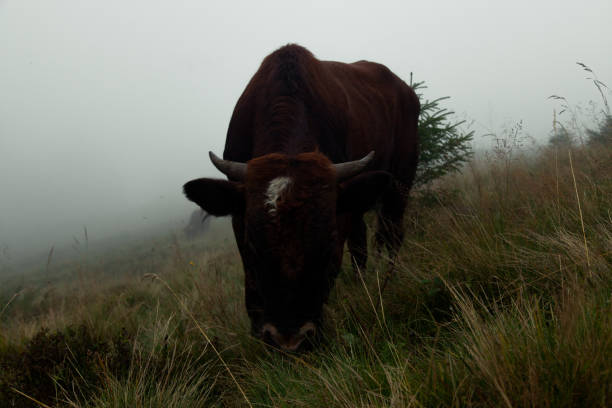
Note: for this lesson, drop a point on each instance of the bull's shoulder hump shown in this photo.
(371, 72)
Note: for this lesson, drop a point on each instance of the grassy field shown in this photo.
(502, 297)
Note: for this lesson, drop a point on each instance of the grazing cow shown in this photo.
(197, 224)
(311, 146)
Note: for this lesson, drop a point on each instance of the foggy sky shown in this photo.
(108, 107)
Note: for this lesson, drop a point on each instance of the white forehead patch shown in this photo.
(275, 190)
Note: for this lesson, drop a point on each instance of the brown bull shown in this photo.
(311, 146)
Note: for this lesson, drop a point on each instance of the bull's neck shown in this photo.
(286, 128)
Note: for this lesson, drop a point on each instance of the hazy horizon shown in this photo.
(107, 108)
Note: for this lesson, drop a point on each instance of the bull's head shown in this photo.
(290, 215)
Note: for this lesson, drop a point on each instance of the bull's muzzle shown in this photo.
(288, 342)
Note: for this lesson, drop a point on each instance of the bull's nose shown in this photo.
(289, 342)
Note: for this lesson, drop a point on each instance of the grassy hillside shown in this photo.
(502, 296)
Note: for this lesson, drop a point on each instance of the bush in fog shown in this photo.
(444, 143)
(563, 136)
(603, 135)
(560, 137)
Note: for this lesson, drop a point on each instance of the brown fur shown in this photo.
(312, 194)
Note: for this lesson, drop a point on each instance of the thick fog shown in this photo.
(108, 107)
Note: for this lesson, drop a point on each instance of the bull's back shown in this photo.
(356, 108)
(382, 114)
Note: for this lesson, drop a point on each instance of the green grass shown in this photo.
(501, 297)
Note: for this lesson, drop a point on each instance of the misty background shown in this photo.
(107, 108)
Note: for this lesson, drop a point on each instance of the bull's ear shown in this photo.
(216, 197)
(360, 193)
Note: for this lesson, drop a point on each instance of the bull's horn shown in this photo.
(352, 168)
(233, 170)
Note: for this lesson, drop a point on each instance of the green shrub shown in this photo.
(603, 135)
(444, 145)
(50, 363)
